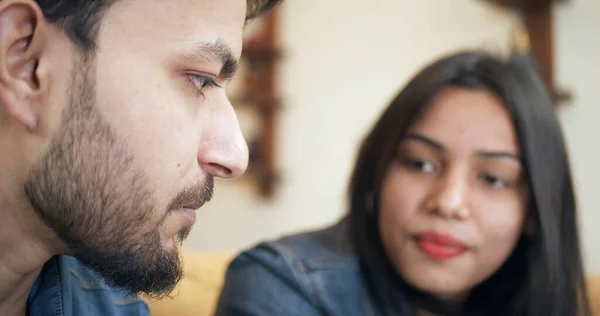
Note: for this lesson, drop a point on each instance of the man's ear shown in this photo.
(22, 39)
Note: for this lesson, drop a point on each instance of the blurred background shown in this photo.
(336, 65)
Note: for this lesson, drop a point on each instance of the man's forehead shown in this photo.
(192, 13)
(178, 23)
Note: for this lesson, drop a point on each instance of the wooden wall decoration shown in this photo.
(258, 92)
(537, 19)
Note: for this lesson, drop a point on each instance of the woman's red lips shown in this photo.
(439, 246)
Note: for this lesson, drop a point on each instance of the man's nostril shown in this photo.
(219, 170)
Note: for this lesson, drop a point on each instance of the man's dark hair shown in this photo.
(80, 18)
(544, 275)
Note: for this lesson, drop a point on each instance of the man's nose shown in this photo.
(223, 151)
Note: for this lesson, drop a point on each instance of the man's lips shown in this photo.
(439, 246)
(190, 214)
(189, 211)
(193, 206)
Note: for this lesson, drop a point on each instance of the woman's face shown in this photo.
(453, 203)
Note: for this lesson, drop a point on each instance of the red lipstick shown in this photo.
(439, 246)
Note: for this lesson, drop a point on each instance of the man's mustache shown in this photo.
(194, 196)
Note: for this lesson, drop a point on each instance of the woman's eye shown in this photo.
(493, 181)
(421, 165)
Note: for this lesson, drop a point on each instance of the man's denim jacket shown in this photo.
(67, 288)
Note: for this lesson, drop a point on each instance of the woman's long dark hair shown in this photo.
(544, 276)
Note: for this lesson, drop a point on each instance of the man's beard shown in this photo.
(99, 203)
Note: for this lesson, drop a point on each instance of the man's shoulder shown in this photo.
(71, 288)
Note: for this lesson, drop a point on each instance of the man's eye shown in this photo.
(201, 82)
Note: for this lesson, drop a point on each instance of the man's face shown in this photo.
(141, 137)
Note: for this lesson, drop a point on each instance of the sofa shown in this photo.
(198, 291)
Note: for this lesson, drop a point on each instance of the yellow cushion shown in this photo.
(198, 291)
(593, 283)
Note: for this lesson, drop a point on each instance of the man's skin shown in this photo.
(106, 152)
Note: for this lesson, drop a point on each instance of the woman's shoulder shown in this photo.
(311, 273)
(329, 247)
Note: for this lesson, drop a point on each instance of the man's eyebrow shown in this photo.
(219, 52)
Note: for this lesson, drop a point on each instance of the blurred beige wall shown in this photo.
(578, 68)
(344, 60)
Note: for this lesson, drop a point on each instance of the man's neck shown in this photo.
(25, 245)
(14, 301)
